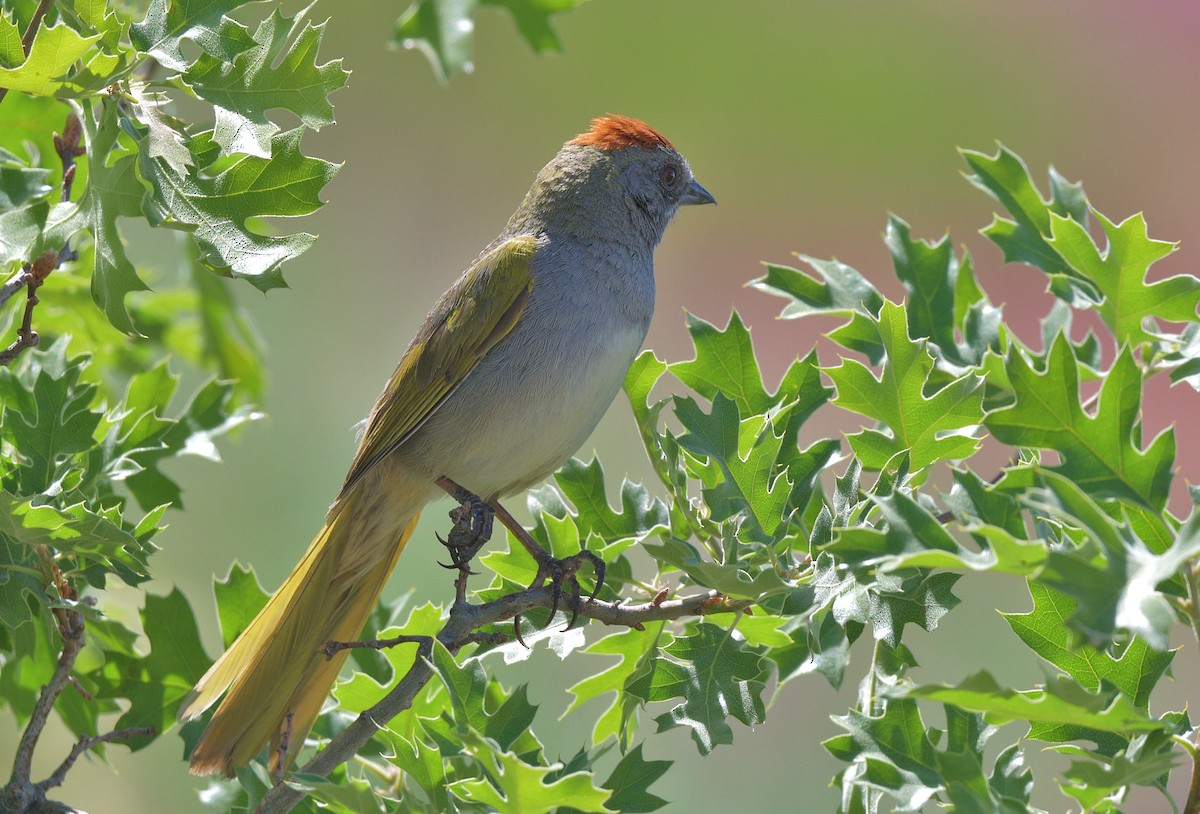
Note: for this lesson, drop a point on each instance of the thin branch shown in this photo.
(459, 630)
(84, 744)
(31, 30)
(14, 285)
(34, 22)
(34, 274)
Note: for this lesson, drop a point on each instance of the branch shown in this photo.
(21, 794)
(458, 631)
(31, 30)
(86, 743)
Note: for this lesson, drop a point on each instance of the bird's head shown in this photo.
(621, 173)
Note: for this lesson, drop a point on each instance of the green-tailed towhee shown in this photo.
(507, 376)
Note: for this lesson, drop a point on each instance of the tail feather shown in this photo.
(274, 667)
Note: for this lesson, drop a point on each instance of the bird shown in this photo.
(504, 380)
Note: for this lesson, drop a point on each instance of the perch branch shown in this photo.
(459, 629)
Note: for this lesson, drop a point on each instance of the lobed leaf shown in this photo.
(934, 426)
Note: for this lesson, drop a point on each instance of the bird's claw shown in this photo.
(471, 530)
(558, 571)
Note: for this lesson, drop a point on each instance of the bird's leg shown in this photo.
(557, 571)
(472, 526)
(285, 743)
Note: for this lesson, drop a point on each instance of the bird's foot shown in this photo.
(562, 572)
(472, 529)
(473, 526)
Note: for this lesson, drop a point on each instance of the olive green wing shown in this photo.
(477, 312)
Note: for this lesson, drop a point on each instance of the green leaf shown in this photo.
(515, 787)
(634, 649)
(89, 536)
(914, 538)
(19, 182)
(169, 22)
(716, 676)
(1090, 781)
(837, 289)
(630, 781)
(748, 453)
(933, 427)
(725, 363)
(733, 579)
(1119, 273)
(240, 597)
(1134, 670)
(139, 439)
(45, 414)
(893, 750)
(349, 795)
(54, 51)
(32, 660)
(279, 71)
(361, 691)
(920, 599)
(217, 208)
(466, 684)
(444, 31)
(1060, 701)
(583, 484)
(113, 191)
(421, 762)
(943, 297)
(823, 647)
(1145, 611)
(165, 137)
(230, 345)
(156, 684)
(1099, 452)
(1025, 237)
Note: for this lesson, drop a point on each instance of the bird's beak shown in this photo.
(696, 194)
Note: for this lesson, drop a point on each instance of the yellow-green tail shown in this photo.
(274, 668)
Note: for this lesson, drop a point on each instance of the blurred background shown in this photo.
(809, 121)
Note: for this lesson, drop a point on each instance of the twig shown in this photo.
(14, 285)
(84, 744)
(31, 30)
(459, 630)
(34, 274)
(330, 649)
(285, 743)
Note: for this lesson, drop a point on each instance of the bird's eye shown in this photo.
(668, 174)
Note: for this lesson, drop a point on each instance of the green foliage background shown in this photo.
(808, 121)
